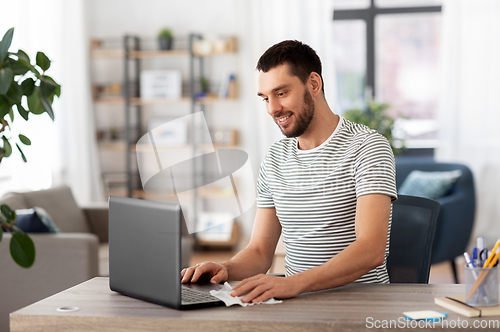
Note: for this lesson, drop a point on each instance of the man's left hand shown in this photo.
(263, 287)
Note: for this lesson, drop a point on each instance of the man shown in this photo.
(328, 187)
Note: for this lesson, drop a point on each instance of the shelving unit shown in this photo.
(126, 96)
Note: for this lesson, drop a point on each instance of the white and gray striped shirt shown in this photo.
(314, 193)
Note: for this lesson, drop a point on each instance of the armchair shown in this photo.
(457, 208)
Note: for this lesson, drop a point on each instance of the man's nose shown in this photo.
(274, 106)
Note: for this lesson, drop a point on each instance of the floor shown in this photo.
(440, 273)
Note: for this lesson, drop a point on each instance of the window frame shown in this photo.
(368, 15)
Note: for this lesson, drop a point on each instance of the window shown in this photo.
(391, 54)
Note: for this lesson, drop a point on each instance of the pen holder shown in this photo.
(481, 286)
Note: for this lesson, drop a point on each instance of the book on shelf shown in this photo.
(458, 305)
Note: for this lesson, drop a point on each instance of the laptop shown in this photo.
(145, 255)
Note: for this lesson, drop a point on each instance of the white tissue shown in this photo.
(229, 300)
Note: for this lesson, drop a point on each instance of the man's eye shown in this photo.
(281, 94)
(265, 100)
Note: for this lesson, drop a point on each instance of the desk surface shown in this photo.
(350, 308)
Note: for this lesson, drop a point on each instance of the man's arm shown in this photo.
(256, 258)
(364, 254)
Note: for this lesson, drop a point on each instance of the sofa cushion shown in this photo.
(61, 206)
(15, 201)
(431, 185)
(35, 220)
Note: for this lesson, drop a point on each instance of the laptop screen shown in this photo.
(145, 249)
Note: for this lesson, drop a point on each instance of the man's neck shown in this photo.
(320, 129)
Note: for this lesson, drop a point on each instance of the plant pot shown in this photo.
(165, 43)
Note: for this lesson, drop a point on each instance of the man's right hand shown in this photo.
(215, 271)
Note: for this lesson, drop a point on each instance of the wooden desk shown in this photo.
(343, 309)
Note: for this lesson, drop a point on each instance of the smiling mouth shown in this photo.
(283, 120)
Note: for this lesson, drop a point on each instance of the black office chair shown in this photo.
(414, 222)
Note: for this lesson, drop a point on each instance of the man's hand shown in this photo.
(262, 287)
(215, 271)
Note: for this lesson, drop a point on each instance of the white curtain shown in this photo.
(263, 24)
(63, 151)
(267, 22)
(470, 112)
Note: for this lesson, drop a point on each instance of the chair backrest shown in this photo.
(414, 221)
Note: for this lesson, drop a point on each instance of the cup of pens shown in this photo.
(481, 279)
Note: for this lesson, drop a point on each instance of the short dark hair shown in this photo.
(301, 58)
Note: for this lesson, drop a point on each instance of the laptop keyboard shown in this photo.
(190, 296)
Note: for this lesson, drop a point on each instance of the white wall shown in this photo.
(115, 18)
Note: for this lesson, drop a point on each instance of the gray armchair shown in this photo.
(457, 208)
(62, 260)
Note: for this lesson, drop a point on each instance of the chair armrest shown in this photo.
(454, 227)
(62, 261)
(97, 219)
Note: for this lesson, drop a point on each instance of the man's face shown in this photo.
(287, 100)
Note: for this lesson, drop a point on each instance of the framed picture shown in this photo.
(217, 226)
(169, 131)
(161, 84)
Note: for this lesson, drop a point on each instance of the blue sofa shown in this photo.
(458, 207)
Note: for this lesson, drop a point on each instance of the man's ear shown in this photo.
(315, 83)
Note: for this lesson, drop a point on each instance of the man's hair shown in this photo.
(301, 59)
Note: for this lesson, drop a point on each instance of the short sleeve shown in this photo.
(374, 168)
(264, 195)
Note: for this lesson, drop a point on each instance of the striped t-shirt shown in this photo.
(314, 193)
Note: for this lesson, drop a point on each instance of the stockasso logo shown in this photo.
(167, 172)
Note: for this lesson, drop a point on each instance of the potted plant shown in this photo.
(375, 117)
(27, 89)
(165, 39)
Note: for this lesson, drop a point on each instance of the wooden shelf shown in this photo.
(110, 101)
(158, 54)
(99, 53)
(161, 101)
(113, 146)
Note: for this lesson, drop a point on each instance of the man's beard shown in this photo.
(301, 120)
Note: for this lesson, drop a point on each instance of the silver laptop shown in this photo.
(145, 254)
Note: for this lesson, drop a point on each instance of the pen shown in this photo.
(470, 263)
(480, 243)
(475, 256)
(490, 262)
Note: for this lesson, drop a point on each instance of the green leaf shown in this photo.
(22, 112)
(11, 114)
(47, 105)
(25, 140)
(8, 213)
(22, 248)
(28, 86)
(4, 108)
(5, 43)
(23, 56)
(18, 67)
(6, 76)
(22, 153)
(47, 86)
(34, 104)
(15, 93)
(42, 61)
(7, 149)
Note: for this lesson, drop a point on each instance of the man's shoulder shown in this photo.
(282, 147)
(359, 133)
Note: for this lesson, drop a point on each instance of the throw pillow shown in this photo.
(429, 184)
(35, 220)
